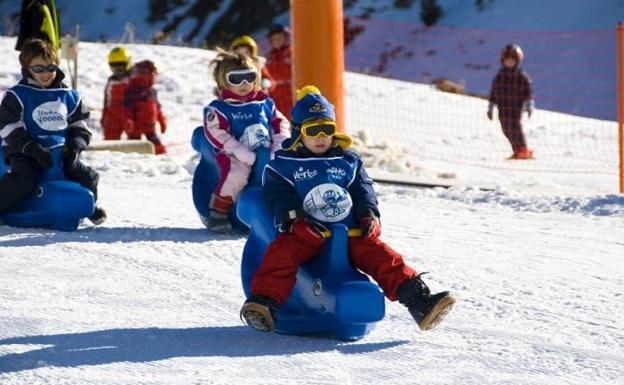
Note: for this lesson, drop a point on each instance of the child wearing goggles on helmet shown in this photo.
(115, 119)
(242, 119)
(512, 92)
(37, 114)
(247, 45)
(314, 182)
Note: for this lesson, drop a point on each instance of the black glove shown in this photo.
(74, 145)
(42, 156)
(69, 158)
(529, 106)
(490, 111)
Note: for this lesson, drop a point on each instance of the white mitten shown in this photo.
(244, 154)
(255, 136)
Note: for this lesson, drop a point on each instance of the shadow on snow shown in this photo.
(154, 344)
(42, 237)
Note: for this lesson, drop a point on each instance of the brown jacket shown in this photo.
(511, 88)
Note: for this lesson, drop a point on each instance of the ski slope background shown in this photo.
(152, 297)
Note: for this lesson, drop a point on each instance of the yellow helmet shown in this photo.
(119, 55)
(245, 40)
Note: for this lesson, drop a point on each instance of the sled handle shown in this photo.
(352, 233)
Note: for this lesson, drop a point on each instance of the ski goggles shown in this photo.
(238, 77)
(118, 64)
(317, 128)
(39, 69)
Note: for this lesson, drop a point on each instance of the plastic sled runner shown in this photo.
(58, 203)
(330, 296)
(207, 173)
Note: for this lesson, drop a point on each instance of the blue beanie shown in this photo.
(312, 106)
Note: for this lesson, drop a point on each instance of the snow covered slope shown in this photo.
(152, 297)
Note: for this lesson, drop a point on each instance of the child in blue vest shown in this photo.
(242, 119)
(37, 114)
(315, 182)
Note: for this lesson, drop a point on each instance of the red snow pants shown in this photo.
(276, 275)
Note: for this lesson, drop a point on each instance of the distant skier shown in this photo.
(279, 65)
(247, 45)
(512, 92)
(115, 119)
(242, 119)
(37, 114)
(315, 182)
(142, 105)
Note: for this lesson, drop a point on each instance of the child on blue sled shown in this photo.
(316, 181)
(37, 114)
(241, 119)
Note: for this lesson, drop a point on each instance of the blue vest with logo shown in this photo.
(46, 112)
(321, 184)
(241, 116)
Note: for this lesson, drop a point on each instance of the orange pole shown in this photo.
(620, 98)
(318, 49)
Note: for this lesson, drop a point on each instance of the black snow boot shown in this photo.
(428, 310)
(219, 223)
(99, 216)
(259, 312)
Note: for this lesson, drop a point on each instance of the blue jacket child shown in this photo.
(316, 180)
(37, 114)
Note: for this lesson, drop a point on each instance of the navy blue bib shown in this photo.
(46, 112)
(250, 122)
(322, 185)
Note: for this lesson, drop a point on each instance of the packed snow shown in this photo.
(152, 297)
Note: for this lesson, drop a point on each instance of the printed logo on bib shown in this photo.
(241, 115)
(335, 173)
(302, 174)
(51, 116)
(328, 202)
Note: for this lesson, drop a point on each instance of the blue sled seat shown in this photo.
(207, 174)
(330, 296)
(58, 203)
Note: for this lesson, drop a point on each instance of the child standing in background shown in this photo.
(279, 65)
(512, 92)
(239, 121)
(247, 45)
(142, 105)
(114, 117)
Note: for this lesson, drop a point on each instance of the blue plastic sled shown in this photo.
(206, 176)
(58, 203)
(330, 296)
